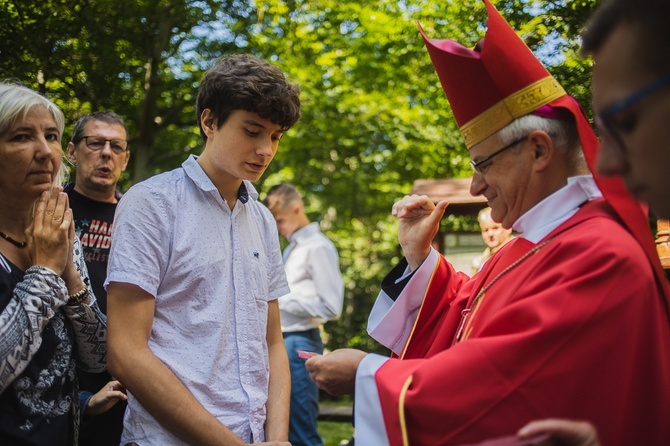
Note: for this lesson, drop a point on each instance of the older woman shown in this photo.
(49, 321)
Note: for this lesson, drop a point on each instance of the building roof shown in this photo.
(456, 191)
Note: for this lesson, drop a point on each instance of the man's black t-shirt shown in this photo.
(93, 222)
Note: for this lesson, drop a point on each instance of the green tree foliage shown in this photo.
(140, 58)
(375, 118)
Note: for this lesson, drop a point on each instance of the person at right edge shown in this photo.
(631, 82)
(568, 320)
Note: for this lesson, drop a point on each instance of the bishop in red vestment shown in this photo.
(569, 320)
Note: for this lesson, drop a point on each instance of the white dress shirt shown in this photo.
(212, 271)
(313, 274)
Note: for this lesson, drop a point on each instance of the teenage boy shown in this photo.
(195, 273)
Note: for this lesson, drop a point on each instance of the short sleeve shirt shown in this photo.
(212, 272)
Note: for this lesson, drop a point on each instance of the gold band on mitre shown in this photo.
(514, 106)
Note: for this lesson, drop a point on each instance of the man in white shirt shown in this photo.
(317, 292)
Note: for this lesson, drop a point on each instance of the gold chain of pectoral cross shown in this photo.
(466, 312)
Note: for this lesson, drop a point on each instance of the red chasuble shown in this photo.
(576, 329)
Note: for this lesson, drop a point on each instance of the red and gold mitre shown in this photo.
(490, 86)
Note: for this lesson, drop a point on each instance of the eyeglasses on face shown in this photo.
(97, 143)
(605, 121)
(481, 167)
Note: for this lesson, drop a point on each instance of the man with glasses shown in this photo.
(99, 151)
(551, 325)
(631, 100)
(631, 95)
